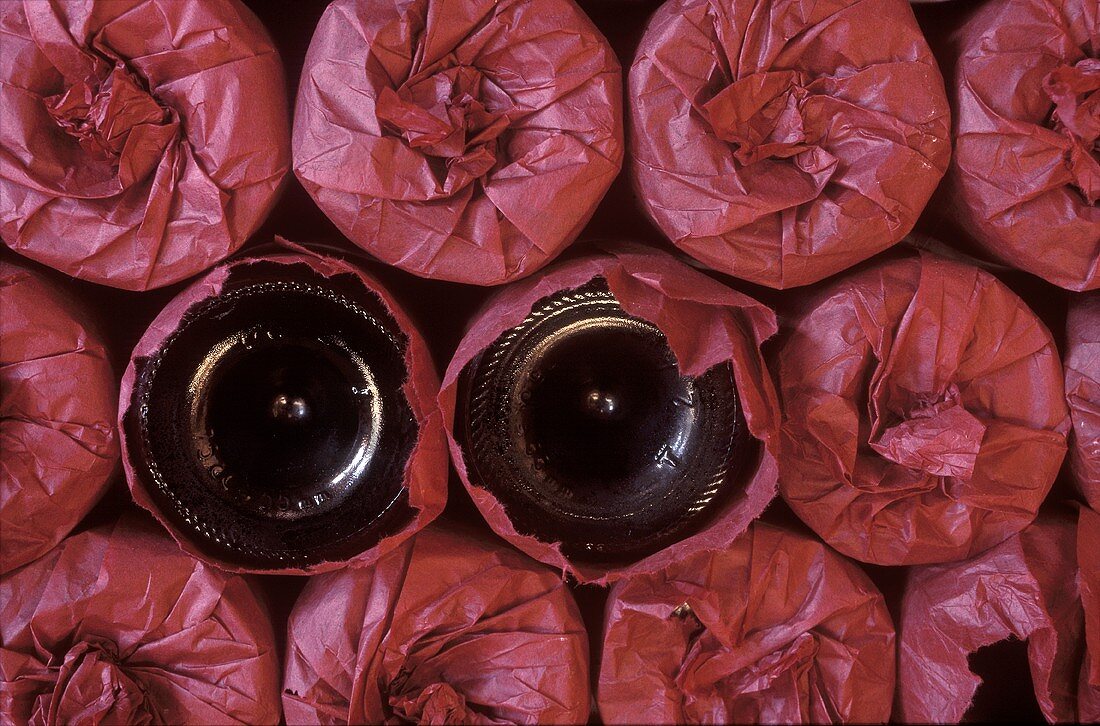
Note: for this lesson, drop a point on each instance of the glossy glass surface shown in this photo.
(272, 421)
(580, 422)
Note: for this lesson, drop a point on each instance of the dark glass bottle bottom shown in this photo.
(271, 423)
(581, 424)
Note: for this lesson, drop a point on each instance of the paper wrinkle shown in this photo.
(1025, 179)
(57, 412)
(103, 117)
(1075, 91)
(1083, 394)
(127, 159)
(388, 644)
(1033, 586)
(775, 628)
(87, 638)
(705, 323)
(425, 473)
(784, 146)
(923, 415)
(469, 144)
(92, 687)
(941, 439)
(436, 704)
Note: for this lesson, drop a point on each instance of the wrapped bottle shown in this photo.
(277, 416)
(1040, 213)
(386, 643)
(116, 625)
(1038, 586)
(143, 142)
(1083, 393)
(924, 418)
(776, 628)
(57, 414)
(478, 157)
(785, 145)
(600, 423)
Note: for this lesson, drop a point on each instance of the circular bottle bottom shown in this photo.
(272, 423)
(580, 423)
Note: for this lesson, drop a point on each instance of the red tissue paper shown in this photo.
(1083, 394)
(117, 625)
(425, 472)
(466, 141)
(924, 415)
(705, 323)
(1042, 586)
(57, 415)
(1025, 179)
(777, 628)
(143, 140)
(450, 628)
(786, 142)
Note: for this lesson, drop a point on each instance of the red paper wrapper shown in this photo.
(447, 629)
(786, 144)
(57, 416)
(924, 416)
(143, 140)
(88, 637)
(1083, 394)
(467, 141)
(1025, 179)
(1041, 586)
(705, 323)
(775, 629)
(426, 471)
